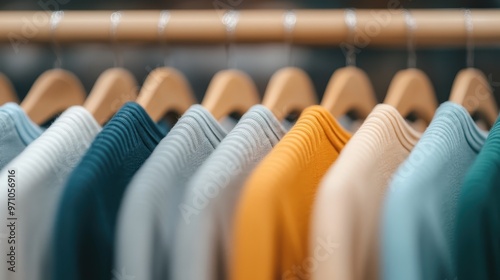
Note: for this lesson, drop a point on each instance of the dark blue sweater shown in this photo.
(86, 218)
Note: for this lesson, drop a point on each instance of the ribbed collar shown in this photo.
(130, 127)
(452, 120)
(63, 143)
(194, 127)
(386, 118)
(26, 129)
(314, 126)
(265, 119)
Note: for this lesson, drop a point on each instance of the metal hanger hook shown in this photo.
(115, 21)
(55, 19)
(162, 24)
(469, 29)
(289, 21)
(230, 21)
(411, 26)
(351, 21)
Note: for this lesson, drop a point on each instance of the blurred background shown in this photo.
(200, 63)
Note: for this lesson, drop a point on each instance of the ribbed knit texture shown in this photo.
(419, 218)
(478, 219)
(344, 242)
(86, 217)
(16, 132)
(271, 230)
(41, 170)
(150, 208)
(211, 196)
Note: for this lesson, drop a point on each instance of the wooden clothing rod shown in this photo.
(434, 28)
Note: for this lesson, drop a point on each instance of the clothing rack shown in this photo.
(375, 28)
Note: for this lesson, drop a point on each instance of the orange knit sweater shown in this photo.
(271, 233)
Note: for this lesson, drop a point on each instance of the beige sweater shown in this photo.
(348, 203)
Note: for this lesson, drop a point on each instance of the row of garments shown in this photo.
(253, 199)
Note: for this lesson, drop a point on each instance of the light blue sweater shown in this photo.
(420, 208)
(17, 131)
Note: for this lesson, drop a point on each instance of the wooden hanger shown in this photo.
(164, 90)
(113, 88)
(52, 93)
(412, 91)
(7, 93)
(55, 90)
(349, 89)
(472, 90)
(289, 90)
(230, 91)
(470, 87)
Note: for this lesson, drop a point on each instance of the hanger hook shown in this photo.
(162, 24)
(230, 21)
(289, 21)
(411, 26)
(55, 19)
(115, 21)
(469, 28)
(351, 22)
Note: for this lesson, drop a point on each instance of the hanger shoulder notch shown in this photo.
(349, 88)
(472, 90)
(230, 91)
(412, 91)
(7, 92)
(290, 90)
(53, 92)
(113, 88)
(165, 89)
